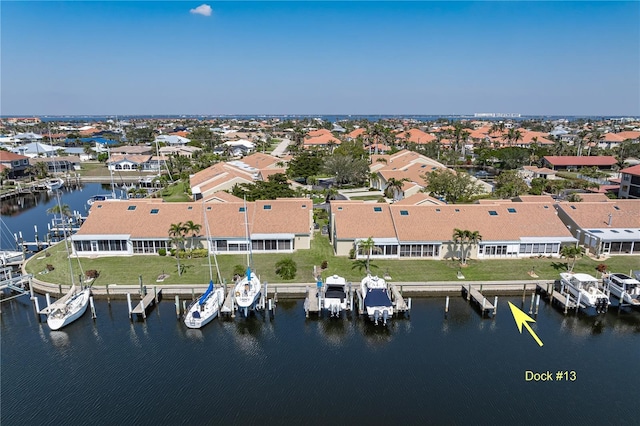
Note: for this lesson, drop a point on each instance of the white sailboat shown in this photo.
(248, 290)
(207, 306)
(72, 305)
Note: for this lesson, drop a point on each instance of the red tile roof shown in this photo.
(10, 156)
(570, 160)
(633, 170)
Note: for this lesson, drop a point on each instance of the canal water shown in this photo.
(286, 369)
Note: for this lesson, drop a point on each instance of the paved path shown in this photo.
(281, 149)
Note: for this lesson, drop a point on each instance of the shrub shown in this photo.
(92, 273)
(286, 268)
(50, 267)
(162, 252)
(199, 253)
(238, 270)
(352, 253)
(324, 264)
(601, 267)
(172, 251)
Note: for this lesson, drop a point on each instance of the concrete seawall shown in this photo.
(296, 290)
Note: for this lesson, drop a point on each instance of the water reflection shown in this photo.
(194, 334)
(60, 339)
(334, 330)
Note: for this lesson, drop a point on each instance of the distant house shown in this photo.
(64, 164)
(172, 139)
(145, 163)
(533, 172)
(569, 162)
(37, 149)
(630, 182)
(16, 164)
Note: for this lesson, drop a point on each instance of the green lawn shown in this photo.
(176, 192)
(125, 270)
(366, 197)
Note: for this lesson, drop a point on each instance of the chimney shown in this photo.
(609, 223)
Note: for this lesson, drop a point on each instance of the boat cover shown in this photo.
(195, 314)
(377, 297)
(206, 293)
(335, 292)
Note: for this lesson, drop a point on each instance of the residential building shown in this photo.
(569, 162)
(604, 228)
(131, 227)
(15, 164)
(630, 182)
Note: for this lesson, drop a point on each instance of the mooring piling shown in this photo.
(177, 306)
(93, 307)
(129, 305)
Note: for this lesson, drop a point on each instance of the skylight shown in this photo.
(155, 211)
(493, 213)
(573, 207)
(377, 209)
(616, 207)
(511, 210)
(267, 207)
(404, 213)
(190, 208)
(131, 208)
(241, 209)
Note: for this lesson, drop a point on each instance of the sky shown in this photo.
(124, 57)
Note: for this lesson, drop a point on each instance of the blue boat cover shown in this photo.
(377, 297)
(248, 273)
(206, 293)
(196, 314)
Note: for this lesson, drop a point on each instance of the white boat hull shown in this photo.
(247, 293)
(376, 299)
(200, 315)
(628, 290)
(71, 310)
(586, 292)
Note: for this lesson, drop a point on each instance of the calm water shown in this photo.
(289, 370)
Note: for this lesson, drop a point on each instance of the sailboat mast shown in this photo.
(246, 231)
(64, 235)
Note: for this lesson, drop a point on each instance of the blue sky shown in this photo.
(556, 58)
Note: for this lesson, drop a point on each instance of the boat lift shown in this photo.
(264, 303)
(315, 301)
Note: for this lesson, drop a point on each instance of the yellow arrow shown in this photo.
(523, 319)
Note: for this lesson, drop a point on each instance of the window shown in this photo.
(131, 208)
(154, 211)
(267, 207)
(493, 213)
(377, 209)
(404, 213)
(511, 210)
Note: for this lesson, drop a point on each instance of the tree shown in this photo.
(574, 197)
(62, 210)
(286, 268)
(346, 169)
(305, 164)
(191, 228)
(176, 232)
(462, 237)
(393, 189)
(276, 186)
(509, 184)
(453, 187)
(367, 247)
(572, 252)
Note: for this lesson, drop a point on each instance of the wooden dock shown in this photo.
(149, 300)
(475, 295)
(563, 299)
(311, 302)
(399, 303)
(229, 301)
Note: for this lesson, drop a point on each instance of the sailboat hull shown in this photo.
(200, 315)
(70, 311)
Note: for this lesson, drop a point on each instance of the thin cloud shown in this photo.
(203, 9)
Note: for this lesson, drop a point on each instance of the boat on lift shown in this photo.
(248, 290)
(207, 306)
(334, 295)
(54, 183)
(624, 288)
(376, 299)
(584, 288)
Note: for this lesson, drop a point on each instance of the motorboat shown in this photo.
(248, 292)
(205, 308)
(334, 295)
(68, 308)
(100, 197)
(54, 183)
(624, 288)
(584, 288)
(376, 299)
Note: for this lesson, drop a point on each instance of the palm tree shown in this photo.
(394, 188)
(459, 237)
(62, 210)
(176, 232)
(473, 237)
(193, 229)
(367, 246)
(572, 252)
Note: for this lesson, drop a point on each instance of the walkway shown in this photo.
(281, 149)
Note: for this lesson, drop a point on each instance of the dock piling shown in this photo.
(533, 298)
(537, 303)
(495, 305)
(48, 296)
(108, 295)
(524, 293)
(193, 293)
(184, 306)
(177, 306)
(446, 306)
(93, 307)
(129, 305)
(37, 307)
